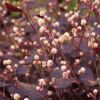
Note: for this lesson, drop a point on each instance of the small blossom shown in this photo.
(21, 61)
(1, 53)
(61, 39)
(65, 75)
(41, 21)
(48, 18)
(95, 45)
(81, 53)
(63, 62)
(36, 57)
(56, 24)
(66, 15)
(9, 67)
(83, 22)
(39, 51)
(54, 42)
(42, 29)
(12, 47)
(15, 29)
(38, 88)
(42, 82)
(45, 42)
(49, 93)
(49, 63)
(26, 99)
(42, 13)
(53, 50)
(27, 74)
(66, 34)
(82, 70)
(95, 91)
(44, 64)
(93, 34)
(6, 62)
(63, 68)
(68, 72)
(77, 61)
(16, 96)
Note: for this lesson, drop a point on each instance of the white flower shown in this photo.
(82, 70)
(1, 53)
(68, 72)
(98, 26)
(45, 42)
(66, 15)
(39, 51)
(42, 82)
(95, 45)
(41, 21)
(83, 22)
(66, 34)
(65, 75)
(63, 62)
(81, 53)
(26, 99)
(49, 63)
(54, 42)
(77, 61)
(79, 28)
(93, 34)
(12, 47)
(6, 62)
(63, 67)
(16, 96)
(43, 38)
(95, 91)
(56, 24)
(54, 31)
(49, 93)
(36, 57)
(42, 29)
(48, 18)
(42, 12)
(95, 23)
(8, 66)
(38, 88)
(21, 61)
(53, 50)
(61, 39)
(15, 29)
(43, 64)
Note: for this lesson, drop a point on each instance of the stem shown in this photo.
(31, 23)
(83, 31)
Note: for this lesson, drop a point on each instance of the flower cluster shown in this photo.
(53, 53)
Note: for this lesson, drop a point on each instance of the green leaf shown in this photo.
(16, 14)
(73, 4)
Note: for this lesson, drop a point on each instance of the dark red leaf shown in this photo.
(39, 16)
(12, 8)
(97, 50)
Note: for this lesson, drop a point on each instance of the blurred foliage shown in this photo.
(73, 5)
(60, 1)
(14, 0)
(16, 14)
